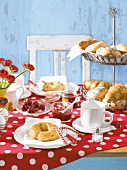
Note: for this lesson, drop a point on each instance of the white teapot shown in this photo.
(14, 93)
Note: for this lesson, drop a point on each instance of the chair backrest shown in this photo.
(55, 43)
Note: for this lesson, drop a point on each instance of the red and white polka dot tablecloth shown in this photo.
(14, 156)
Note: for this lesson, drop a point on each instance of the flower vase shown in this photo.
(4, 103)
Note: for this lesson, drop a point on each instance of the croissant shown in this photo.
(91, 84)
(116, 93)
(97, 93)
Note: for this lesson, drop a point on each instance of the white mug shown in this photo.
(14, 94)
(93, 114)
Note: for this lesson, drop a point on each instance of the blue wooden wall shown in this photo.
(19, 18)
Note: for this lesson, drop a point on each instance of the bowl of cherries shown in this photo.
(33, 107)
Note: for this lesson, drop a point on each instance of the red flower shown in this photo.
(10, 78)
(2, 60)
(3, 73)
(9, 68)
(13, 68)
(28, 66)
(6, 63)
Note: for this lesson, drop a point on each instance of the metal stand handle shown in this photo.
(113, 12)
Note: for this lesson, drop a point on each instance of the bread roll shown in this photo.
(53, 86)
(43, 132)
(122, 48)
(84, 44)
(93, 47)
(108, 52)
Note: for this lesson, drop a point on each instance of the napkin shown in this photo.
(75, 52)
(36, 143)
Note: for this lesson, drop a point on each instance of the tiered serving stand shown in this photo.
(119, 60)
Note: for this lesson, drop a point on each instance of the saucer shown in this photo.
(77, 125)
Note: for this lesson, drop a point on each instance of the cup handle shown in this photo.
(20, 93)
(106, 124)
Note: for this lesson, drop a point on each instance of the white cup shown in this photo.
(93, 114)
(13, 94)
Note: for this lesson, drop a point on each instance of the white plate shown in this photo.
(48, 107)
(77, 125)
(37, 90)
(26, 94)
(19, 137)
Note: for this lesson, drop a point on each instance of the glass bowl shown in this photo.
(58, 111)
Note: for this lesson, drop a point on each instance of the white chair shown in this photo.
(55, 43)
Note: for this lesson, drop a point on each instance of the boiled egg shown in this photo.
(4, 113)
(2, 121)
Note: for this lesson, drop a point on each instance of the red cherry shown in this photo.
(42, 107)
(25, 107)
(36, 104)
(31, 110)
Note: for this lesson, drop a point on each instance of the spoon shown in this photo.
(77, 99)
(35, 85)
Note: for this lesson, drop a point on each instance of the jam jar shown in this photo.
(69, 96)
(58, 111)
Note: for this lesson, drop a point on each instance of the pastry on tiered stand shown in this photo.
(91, 84)
(114, 96)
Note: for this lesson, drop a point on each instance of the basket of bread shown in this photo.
(101, 52)
(113, 96)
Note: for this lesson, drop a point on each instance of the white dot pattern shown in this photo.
(2, 163)
(98, 148)
(107, 138)
(110, 133)
(63, 160)
(14, 167)
(112, 139)
(81, 153)
(38, 150)
(118, 140)
(102, 143)
(2, 143)
(8, 138)
(119, 119)
(32, 161)
(90, 141)
(124, 130)
(69, 149)
(86, 146)
(115, 145)
(7, 151)
(50, 154)
(13, 145)
(122, 115)
(122, 135)
(44, 167)
(19, 155)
